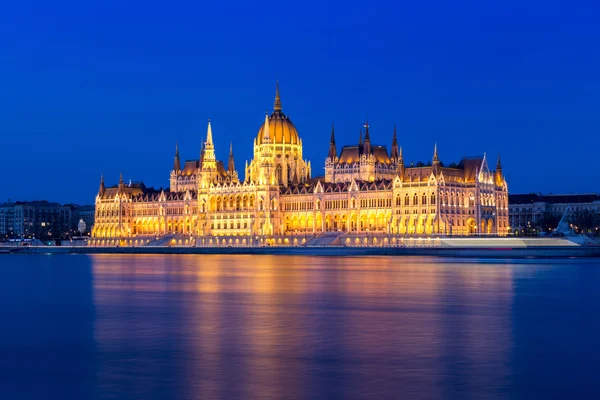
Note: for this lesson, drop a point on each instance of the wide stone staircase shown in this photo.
(164, 240)
(324, 239)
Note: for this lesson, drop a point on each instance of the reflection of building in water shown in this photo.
(365, 190)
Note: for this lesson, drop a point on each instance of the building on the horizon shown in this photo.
(39, 219)
(367, 191)
(532, 212)
(82, 213)
(7, 219)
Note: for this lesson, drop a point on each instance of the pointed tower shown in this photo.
(332, 150)
(246, 173)
(394, 155)
(176, 163)
(277, 103)
(121, 184)
(208, 164)
(102, 188)
(400, 164)
(209, 160)
(231, 164)
(498, 177)
(367, 146)
(266, 155)
(267, 133)
(201, 153)
(436, 161)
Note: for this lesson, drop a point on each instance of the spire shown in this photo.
(267, 132)
(209, 139)
(201, 153)
(101, 191)
(277, 104)
(177, 163)
(332, 149)
(498, 173)
(367, 145)
(231, 165)
(208, 160)
(332, 140)
(121, 178)
(436, 161)
(394, 145)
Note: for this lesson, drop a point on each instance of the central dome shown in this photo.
(281, 129)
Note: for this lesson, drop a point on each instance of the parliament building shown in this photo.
(368, 196)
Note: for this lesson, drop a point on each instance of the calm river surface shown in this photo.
(262, 327)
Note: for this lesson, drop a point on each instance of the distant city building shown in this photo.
(366, 191)
(85, 213)
(40, 219)
(43, 219)
(7, 219)
(543, 212)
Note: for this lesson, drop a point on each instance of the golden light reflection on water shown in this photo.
(264, 326)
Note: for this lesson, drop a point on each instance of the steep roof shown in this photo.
(351, 154)
(470, 165)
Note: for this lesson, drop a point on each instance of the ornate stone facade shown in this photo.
(365, 191)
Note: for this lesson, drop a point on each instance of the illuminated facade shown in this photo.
(366, 193)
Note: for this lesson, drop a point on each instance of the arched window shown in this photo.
(415, 200)
(406, 200)
(432, 198)
(424, 199)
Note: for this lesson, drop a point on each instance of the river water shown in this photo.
(262, 327)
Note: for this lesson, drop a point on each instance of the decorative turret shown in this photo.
(367, 145)
(266, 156)
(121, 184)
(267, 132)
(201, 153)
(436, 161)
(277, 103)
(102, 188)
(394, 155)
(498, 178)
(209, 161)
(231, 164)
(332, 150)
(176, 163)
(400, 164)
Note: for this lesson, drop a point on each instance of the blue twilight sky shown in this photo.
(102, 87)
